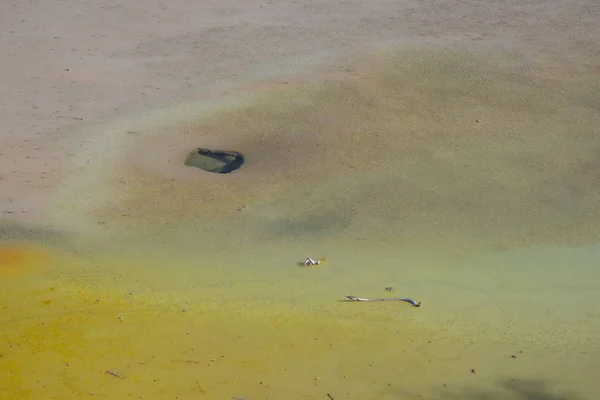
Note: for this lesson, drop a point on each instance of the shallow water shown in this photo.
(464, 178)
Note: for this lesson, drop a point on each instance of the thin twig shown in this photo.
(113, 373)
(407, 299)
(187, 361)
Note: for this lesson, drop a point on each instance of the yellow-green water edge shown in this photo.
(463, 179)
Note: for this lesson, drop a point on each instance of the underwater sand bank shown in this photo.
(463, 178)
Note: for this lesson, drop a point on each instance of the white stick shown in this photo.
(310, 261)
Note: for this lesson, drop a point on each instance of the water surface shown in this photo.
(465, 178)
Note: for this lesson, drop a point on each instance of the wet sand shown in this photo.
(464, 173)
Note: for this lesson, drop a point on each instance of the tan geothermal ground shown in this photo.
(450, 149)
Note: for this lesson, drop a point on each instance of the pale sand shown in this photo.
(449, 149)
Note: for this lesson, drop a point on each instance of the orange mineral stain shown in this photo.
(18, 261)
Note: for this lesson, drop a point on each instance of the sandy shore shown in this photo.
(447, 148)
(70, 65)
